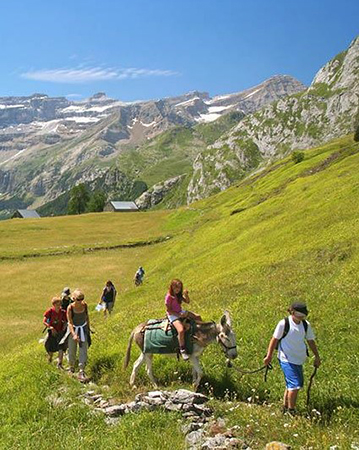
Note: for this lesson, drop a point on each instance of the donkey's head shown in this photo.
(226, 336)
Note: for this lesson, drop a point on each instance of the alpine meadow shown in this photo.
(179, 225)
(287, 232)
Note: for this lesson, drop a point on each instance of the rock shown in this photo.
(103, 404)
(156, 194)
(216, 442)
(169, 406)
(89, 393)
(114, 411)
(275, 445)
(185, 396)
(194, 439)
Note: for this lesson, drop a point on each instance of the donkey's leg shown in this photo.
(136, 367)
(148, 359)
(196, 371)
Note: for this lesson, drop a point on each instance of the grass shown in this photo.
(296, 238)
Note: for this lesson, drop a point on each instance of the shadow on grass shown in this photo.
(103, 365)
(328, 406)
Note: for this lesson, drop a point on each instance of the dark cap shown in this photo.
(299, 307)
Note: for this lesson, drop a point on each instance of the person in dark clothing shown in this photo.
(140, 273)
(65, 298)
(108, 297)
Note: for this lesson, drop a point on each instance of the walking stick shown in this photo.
(310, 385)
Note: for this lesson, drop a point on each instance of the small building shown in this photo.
(25, 214)
(121, 207)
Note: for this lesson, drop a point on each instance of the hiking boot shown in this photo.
(81, 376)
(291, 412)
(71, 370)
(184, 355)
(284, 409)
(60, 366)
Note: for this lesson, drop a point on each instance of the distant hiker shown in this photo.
(289, 337)
(78, 332)
(55, 321)
(173, 300)
(140, 273)
(108, 297)
(65, 298)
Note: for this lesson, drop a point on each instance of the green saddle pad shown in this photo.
(158, 340)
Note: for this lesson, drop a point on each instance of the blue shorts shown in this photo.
(293, 375)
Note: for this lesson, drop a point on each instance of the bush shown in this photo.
(297, 157)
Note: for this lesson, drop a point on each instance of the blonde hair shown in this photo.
(55, 300)
(78, 294)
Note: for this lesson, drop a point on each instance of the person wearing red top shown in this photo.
(175, 313)
(55, 321)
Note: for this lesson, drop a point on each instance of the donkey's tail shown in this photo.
(128, 352)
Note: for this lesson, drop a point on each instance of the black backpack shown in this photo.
(286, 330)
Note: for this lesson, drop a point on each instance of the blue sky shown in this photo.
(141, 49)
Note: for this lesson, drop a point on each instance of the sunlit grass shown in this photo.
(297, 238)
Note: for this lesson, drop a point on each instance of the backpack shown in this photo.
(286, 330)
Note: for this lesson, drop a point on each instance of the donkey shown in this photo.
(206, 333)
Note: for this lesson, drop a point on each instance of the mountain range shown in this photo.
(173, 150)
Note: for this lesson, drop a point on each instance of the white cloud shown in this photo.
(73, 95)
(88, 74)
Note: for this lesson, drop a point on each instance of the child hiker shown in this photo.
(289, 336)
(55, 321)
(173, 300)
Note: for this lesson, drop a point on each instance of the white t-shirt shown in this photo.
(292, 348)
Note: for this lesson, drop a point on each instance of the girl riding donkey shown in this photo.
(175, 313)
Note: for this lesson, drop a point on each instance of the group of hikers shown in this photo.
(68, 325)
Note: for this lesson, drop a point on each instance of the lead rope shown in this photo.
(267, 368)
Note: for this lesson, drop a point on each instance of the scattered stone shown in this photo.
(195, 439)
(115, 411)
(89, 393)
(103, 404)
(185, 396)
(169, 406)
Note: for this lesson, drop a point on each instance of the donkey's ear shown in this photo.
(228, 318)
(223, 320)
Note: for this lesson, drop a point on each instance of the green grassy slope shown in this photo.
(288, 232)
(172, 152)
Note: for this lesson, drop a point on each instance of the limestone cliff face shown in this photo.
(327, 109)
(155, 195)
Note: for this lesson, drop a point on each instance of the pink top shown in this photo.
(172, 304)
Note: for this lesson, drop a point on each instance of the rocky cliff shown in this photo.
(327, 109)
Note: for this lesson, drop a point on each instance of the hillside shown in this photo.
(288, 232)
(329, 108)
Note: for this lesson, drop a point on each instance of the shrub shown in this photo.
(297, 157)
